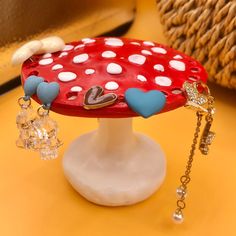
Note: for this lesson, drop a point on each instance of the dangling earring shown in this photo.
(27, 115)
(45, 128)
(198, 98)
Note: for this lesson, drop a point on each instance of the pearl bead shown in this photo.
(180, 192)
(178, 218)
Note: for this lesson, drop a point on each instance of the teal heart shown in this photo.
(145, 103)
(31, 84)
(47, 92)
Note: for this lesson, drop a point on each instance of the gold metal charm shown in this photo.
(195, 99)
(199, 99)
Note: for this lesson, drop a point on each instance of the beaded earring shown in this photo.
(200, 100)
(45, 128)
(26, 116)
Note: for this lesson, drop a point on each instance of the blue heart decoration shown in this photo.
(145, 103)
(31, 84)
(47, 92)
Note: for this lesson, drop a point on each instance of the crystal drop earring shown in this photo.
(45, 128)
(27, 115)
(199, 99)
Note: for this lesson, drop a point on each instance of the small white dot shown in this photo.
(159, 50)
(81, 58)
(89, 71)
(57, 67)
(114, 68)
(141, 78)
(88, 40)
(176, 91)
(178, 65)
(66, 76)
(114, 42)
(163, 81)
(159, 67)
(108, 54)
(68, 47)
(146, 52)
(79, 46)
(135, 43)
(111, 85)
(76, 89)
(178, 57)
(137, 59)
(63, 54)
(46, 61)
(47, 55)
(71, 98)
(148, 43)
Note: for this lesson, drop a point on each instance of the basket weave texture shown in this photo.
(206, 30)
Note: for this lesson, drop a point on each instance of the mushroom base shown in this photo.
(113, 166)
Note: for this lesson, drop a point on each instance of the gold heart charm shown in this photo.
(94, 99)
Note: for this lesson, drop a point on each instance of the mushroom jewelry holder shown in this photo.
(115, 79)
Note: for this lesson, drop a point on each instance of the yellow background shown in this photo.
(36, 199)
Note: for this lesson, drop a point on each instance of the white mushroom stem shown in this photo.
(113, 165)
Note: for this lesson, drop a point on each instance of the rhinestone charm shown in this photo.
(180, 192)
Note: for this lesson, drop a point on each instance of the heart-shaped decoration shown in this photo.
(145, 103)
(94, 99)
(31, 84)
(47, 92)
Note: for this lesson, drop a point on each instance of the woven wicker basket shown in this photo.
(206, 30)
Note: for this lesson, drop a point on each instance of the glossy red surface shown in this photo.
(71, 103)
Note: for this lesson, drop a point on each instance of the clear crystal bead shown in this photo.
(45, 132)
(25, 118)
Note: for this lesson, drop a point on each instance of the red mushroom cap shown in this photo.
(115, 64)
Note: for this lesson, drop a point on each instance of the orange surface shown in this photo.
(36, 199)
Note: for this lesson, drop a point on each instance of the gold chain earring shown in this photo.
(198, 98)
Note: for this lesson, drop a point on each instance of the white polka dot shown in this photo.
(81, 58)
(66, 76)
(137, 59)
(114, 42)
(76, 89)
(88, 40)
(178, 65)
(63, 54)
(111, 85)
(159, 50)
(46, 61)
(71, 98)
(113, 68)
(141, 78)
(176, 91)
(79, 46)
(57, 67)
(192, 78)
(68, 47)
(159, 67)
(108, 54)
(163, 81)
(146, 52)
(47, 55)
(148, 43)
(135, 43)
(89, 71)
(178, 57)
